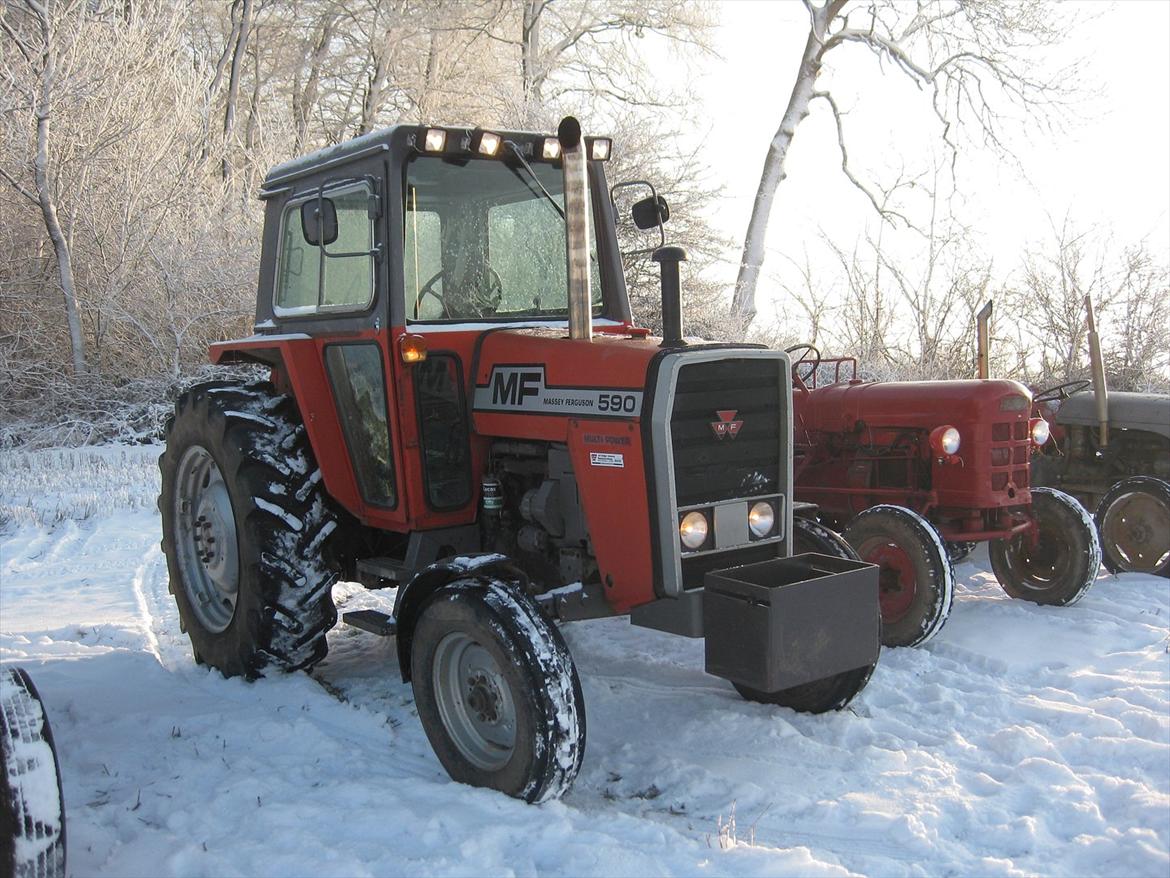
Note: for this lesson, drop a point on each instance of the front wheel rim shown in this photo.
(1136, 527)
(205, 539)
(474, 700)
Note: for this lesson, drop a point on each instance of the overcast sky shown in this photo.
(1110, 168)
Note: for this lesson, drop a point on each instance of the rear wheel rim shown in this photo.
(205, 539)
(1136, 528)
(474, 700)
(897, 583)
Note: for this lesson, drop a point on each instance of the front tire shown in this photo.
(1059, 568)
(32, 811)
(916, 578)
(819, 696)
(1133, 522)
(246, 531)
(809, 535)
(497, 691)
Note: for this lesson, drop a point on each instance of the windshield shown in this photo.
(483, 241)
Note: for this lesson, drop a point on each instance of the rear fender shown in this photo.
(412, 596)
(299, 358)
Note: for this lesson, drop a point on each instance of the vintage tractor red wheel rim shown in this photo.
(896, 580)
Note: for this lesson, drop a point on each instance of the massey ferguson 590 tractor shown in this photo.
(460, 407)
(913, 470)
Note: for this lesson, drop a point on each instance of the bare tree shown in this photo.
(37, 39)
(975, 59)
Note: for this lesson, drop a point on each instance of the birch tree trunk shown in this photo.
(743, 303)
(44, 187)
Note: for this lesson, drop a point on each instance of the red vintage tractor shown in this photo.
(916, 471)
(460, 407)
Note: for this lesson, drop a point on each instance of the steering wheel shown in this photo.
(1061, 391)
(812, 363)
(488, 306)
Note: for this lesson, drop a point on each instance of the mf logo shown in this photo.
(513, 387)
(727, 425)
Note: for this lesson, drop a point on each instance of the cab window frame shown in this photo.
(291, 208)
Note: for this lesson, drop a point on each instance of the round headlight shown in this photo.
(761, 519)
(1040, 431)
(950, 440)
(692, 530)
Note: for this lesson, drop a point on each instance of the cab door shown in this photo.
(331, 284)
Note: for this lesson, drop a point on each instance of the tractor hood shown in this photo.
(917, 404)
(1127, 411)
(530, 383)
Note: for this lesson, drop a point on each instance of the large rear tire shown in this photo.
(497, 691)
(246, 531)
(1133, 522)
(916, 578)
(1060, 565)
(32, 810)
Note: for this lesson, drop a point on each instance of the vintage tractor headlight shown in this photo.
(1040, 431)
(945, 440)
(761, 519)
(692, 530)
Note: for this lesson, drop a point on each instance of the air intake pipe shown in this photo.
(668, 259)
(1100, 390)
(576, 228)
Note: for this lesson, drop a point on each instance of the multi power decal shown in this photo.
(522, 389)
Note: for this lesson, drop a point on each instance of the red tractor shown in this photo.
(460, 407)
(917, 471)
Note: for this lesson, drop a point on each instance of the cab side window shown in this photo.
(336, 276)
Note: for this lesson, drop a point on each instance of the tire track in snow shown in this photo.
(138, 584)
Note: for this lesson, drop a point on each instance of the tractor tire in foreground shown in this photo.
(916, 579)
(246, 531)
(32, 810)
(497, 690)
(1133, 523)
(830, 693)
(1062, 563)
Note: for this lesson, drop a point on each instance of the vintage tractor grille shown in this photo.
(1009, 455)
(710, 467)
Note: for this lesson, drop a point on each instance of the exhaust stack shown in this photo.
(576, 228)
(668, 259)
(1100, 390)
(983, 340)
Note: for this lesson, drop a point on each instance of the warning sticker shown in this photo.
(600, 458)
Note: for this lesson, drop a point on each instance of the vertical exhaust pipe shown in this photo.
(983, 340)
(576, 228)
(1097, 362)
(668, 259)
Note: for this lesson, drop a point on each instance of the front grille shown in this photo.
(1009, 455)
(708, 468)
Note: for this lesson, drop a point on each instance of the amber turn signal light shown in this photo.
(412, 348)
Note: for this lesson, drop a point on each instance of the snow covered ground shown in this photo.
(1023, 740)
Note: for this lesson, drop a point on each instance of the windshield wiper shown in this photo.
(535, 179)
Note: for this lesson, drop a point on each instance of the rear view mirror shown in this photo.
(651, 212)
(319, 221)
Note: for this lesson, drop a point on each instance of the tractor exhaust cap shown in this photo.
(573, 162)
(668, 259)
